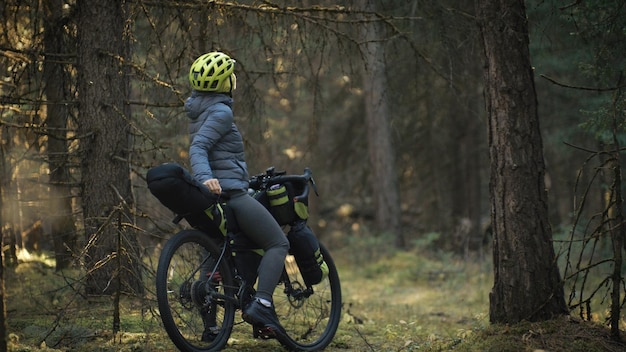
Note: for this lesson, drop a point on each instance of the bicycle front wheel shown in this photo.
(193, 297)
(309, 315)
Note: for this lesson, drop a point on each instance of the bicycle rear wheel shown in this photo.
(310, 317)
(193, 315)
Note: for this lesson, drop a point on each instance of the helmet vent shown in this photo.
(211, 72)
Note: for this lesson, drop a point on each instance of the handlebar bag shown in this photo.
(306, 250)
(281, 202)
(176, 189)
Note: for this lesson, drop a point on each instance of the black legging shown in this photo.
(259, 226)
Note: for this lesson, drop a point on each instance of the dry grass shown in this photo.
(393, 302)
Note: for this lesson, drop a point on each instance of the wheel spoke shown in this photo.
(309, 314)
(193, 319)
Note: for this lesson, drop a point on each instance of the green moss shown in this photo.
(402, 301)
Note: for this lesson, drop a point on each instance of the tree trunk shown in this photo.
(527, 283)
(465, 200)
(103, 87)
(384, 180)
(3, 314)
(3, 311)
(10, 226)
(61, 218)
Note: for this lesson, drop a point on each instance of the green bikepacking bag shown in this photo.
(281, 201)
(305, 248)
(176, 189)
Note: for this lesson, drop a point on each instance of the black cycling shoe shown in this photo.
(261, 316)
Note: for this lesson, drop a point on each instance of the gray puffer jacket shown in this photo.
(216, 149)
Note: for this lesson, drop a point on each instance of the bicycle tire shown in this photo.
(311, 321)
(183, 290)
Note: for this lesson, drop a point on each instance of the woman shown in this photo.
(217, 160)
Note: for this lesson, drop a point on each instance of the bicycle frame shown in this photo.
(203, 278)
(296, 294)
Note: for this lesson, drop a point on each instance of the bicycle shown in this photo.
(203, 278)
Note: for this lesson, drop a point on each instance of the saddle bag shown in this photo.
(305, 248)
(176, 189)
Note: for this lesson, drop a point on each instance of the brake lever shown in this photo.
(314, 186)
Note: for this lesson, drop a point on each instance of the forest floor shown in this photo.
(398, 302)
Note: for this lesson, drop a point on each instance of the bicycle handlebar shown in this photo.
(271, 177)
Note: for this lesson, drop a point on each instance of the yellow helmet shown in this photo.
(212, 72)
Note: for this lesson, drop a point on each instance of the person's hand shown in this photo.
(214, 185)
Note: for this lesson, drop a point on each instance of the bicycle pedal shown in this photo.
(263, 332)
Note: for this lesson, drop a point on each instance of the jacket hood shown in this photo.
(199, 102)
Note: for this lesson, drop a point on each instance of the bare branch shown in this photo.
(608, 89)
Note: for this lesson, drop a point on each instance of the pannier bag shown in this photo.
(176, 189)
(305, 248)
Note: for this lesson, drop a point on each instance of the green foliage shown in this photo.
(426, 242)
(365, 248)
(427, 304)
(403, 302)
(563, 334)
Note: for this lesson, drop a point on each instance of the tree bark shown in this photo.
(3, 297)
(3, 312)
(61, 218)
(9, 192)
(103, 87)
(527, 283)
(384, 180)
